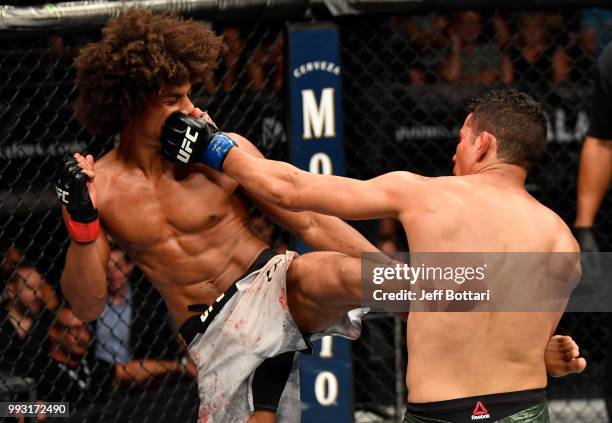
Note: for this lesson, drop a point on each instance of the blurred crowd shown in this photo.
(131, 348)
(524, 48)
(527, 48)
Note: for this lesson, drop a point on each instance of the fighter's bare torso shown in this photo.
(187, 228)
(454, 355)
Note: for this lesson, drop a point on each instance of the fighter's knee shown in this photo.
(334, 276)
(347, 277)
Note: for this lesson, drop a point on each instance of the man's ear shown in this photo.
(484, 142)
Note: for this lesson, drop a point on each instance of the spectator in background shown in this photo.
(113, 326)
(75, 375)
(594, 176)
(10, 257)
(60, 57)
(503, 33)
(596, 30)
(24, 318)
(419, 41)
(229, 72)
(586, 42)
(277, 51)
(231, 59)
(71, 374)
(535, 62)
(472, 59)
(134, 323)
(388, 245)
(387, 227)
(595, 169)
(389, 230)
(265, 66)
(28, 295)
(58, 49)
(55, 350)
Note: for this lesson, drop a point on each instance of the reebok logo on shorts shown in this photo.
(480, 412)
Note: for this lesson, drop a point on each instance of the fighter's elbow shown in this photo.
(283, 194)
(86, 309)
(86, 297)
(283, 199)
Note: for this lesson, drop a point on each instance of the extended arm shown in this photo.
(206, 144)
(288, 187)
(319, 231)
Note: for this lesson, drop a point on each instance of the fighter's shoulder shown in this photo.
(105, 168)
(425, 190)
(404, 176)
(453, 185)
(401, 184)
(565, 241)
(561, 235)
(107, 163)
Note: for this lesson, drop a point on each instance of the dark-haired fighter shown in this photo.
(462, 366)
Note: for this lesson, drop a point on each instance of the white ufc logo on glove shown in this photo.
(62, 195)
(185, 151)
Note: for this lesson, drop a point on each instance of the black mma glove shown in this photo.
(82, 223)
(186, 139)
(586, 239)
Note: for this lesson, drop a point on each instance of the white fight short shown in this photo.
(244, 346)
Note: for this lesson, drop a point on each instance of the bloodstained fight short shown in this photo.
(244, 346)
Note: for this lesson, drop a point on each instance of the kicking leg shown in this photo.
(321, 288)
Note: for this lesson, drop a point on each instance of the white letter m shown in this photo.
(316, 117)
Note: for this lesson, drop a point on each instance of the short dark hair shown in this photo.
(518, 122)
(140, 54)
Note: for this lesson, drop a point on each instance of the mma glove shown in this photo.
(186, 139)
(586, 239)
(82, 222)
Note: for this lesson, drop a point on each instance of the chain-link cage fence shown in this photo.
(406, 83)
